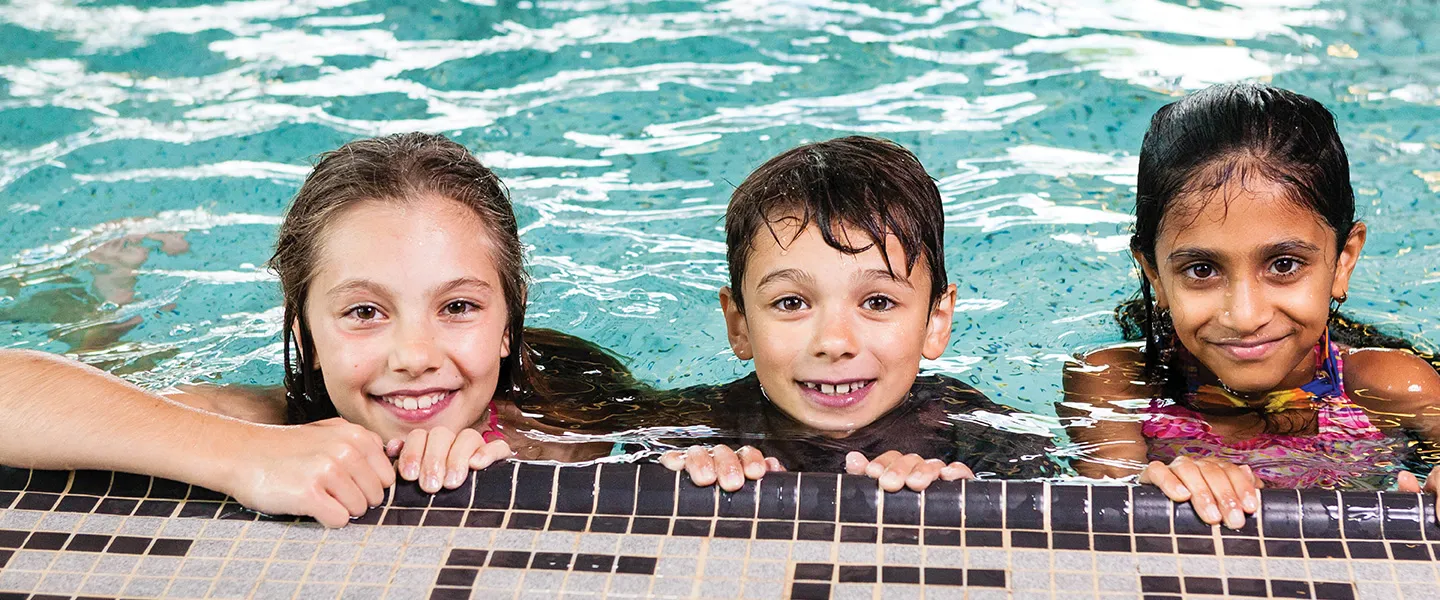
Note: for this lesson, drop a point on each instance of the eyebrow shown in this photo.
(366, 285)
(882, 275)
(1282, 247)
(791, 275)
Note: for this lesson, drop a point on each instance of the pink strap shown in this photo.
(492, 423)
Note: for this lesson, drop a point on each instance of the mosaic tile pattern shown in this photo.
(528, 530)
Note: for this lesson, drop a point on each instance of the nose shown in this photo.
(834, 335)
(414, 350)
(1246, 308)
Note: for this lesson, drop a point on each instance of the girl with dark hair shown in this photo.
(404, 294)
(1246, 239)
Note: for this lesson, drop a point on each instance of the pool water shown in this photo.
(147, 152)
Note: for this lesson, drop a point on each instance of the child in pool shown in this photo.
(404, 298)
(1246, 235)
(837, 290)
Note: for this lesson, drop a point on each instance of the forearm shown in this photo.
(60, 414)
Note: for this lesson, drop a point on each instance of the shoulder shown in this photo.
(1111, 373)
(1396, 378)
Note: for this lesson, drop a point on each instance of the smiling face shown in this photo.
(1248, 276)
(407, 315)
(837, 340)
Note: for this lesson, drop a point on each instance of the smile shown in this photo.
(1250, 350)
(836, 394)
(418, 405)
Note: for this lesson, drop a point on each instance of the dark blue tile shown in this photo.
(84, 542)
(37, 501)
(1325, 549)
(170, 547)
(1112, 542)
(567, 523)
(859, 574)
(45, 540)
(691, 528)
(402, 516)
(945, 537)
(407, 494)
(489, 519)
(524, 520)
(1070, 508)
(739, 504)
(815, 532)
(650, 525)
(509, 559)
(617, 489)
(1401, 516)
(551, 561)
(14, 479)
(775, 530)
(1024, 505)
(1159, 584)
(730, 528)
(778, 495)
(130, 485)
(859, 499)
(1428, 522)
(818, 494)
(813, 571)
(1284, 549)
(1155, 544)
(898, 574)
(1280, 513)
(54, 481)
(76, 504)
(1153, 510)
(1187, 522)
(576, 487)
(693, 500)
(1110, 509)
(1194, 545)
(117, 506)
(205, 510)
(804, 590)
(984, 538)
(125, 544)
(1060, 540)
(156, 508)
(610, 524)
(94, 483)
(457, 577)
(1362, 515)
(862, 534)
(1029, 539)
(984, 504)
(1320, 513)
(493, 486)
(942, 504)
(1284, 588)
(10, 538)
(444, 517)
(1254, 588)
(1404, 551)
(594, 563)
(900, 535)
(167, 489)
(1367, 549)
(655, 493)
(1334, 591)
(459, 497)
(902, 508)
(944, 576)
(1241, 546)
(534, 486)
(1204, 585)
(637, 565)
(985, 578)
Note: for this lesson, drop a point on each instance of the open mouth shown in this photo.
(836, 394)
(415, 407)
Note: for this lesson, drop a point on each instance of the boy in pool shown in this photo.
(837, 290)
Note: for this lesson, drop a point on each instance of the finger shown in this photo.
(457, 464)
(1242, 480)
(879, 464)
(752, 461)
(673, 460)
(895, 475)
(344, 491)
(411, 451)
(773, 465)
(700, 465)
(491, 452)
(855, 463)
(379, 461)
(1432, 482)
(1219, 491)
(392, 447)
(328, 511)
(361, 470)
(1406, 482)
(728, 468)
(956, 470)
(924, 473)
(1201, 499)
(1159, 475)
(437, 451)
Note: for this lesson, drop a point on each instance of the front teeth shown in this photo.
(836, 389)
(413, 402)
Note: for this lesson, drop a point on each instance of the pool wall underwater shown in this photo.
(622, 530)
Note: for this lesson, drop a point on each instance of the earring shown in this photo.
(1336, 302)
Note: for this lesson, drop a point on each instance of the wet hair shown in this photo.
(1235, 133)
(870, 184)
(395, 169)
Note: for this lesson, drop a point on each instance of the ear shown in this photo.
(1151, 275)
(1349, 256)
(937, 327)
(735, 327)
(505, 343)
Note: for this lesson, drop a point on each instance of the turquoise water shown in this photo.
(621, 128)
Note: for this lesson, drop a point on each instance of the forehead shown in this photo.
(1252, 212)
(785, 245)
(420, 236)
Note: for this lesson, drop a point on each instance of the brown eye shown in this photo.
(790, 303)
(879, 303)
(458, 307)
(364, 313)
(1285, 266)
(1201, 271)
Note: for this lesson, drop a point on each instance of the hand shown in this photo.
(331, 470)
(1213, 486)
(1406, 482)
(732, 466)
(895, 470)
(438, 457)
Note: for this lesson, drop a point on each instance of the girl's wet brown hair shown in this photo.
(394, 169)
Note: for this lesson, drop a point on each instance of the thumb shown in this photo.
(1406, 482)
(855, 463)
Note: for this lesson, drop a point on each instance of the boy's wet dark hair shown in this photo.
(394, 169)
(1237, 132)
(869, 184)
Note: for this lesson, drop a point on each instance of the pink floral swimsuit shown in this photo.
(1347, 452)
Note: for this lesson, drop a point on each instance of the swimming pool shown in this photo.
(621, 128)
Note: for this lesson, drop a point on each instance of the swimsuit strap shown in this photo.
(1326, 387)
(492, 425)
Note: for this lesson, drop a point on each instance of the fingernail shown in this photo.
(432, 482)
(453, 479)
(1251, 503)
(1235, 519)
(1183, 490)
(1212, 515)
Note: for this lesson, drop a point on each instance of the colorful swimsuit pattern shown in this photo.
(1347, 452)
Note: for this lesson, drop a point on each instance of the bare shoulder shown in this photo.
(1396, 378)
(256, 404)
(1107, 374)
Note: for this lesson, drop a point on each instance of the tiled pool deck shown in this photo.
(641, 531)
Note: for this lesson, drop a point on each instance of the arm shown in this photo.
(255, 404)
(1093, 410)
(59, 414)
(1398, 390)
